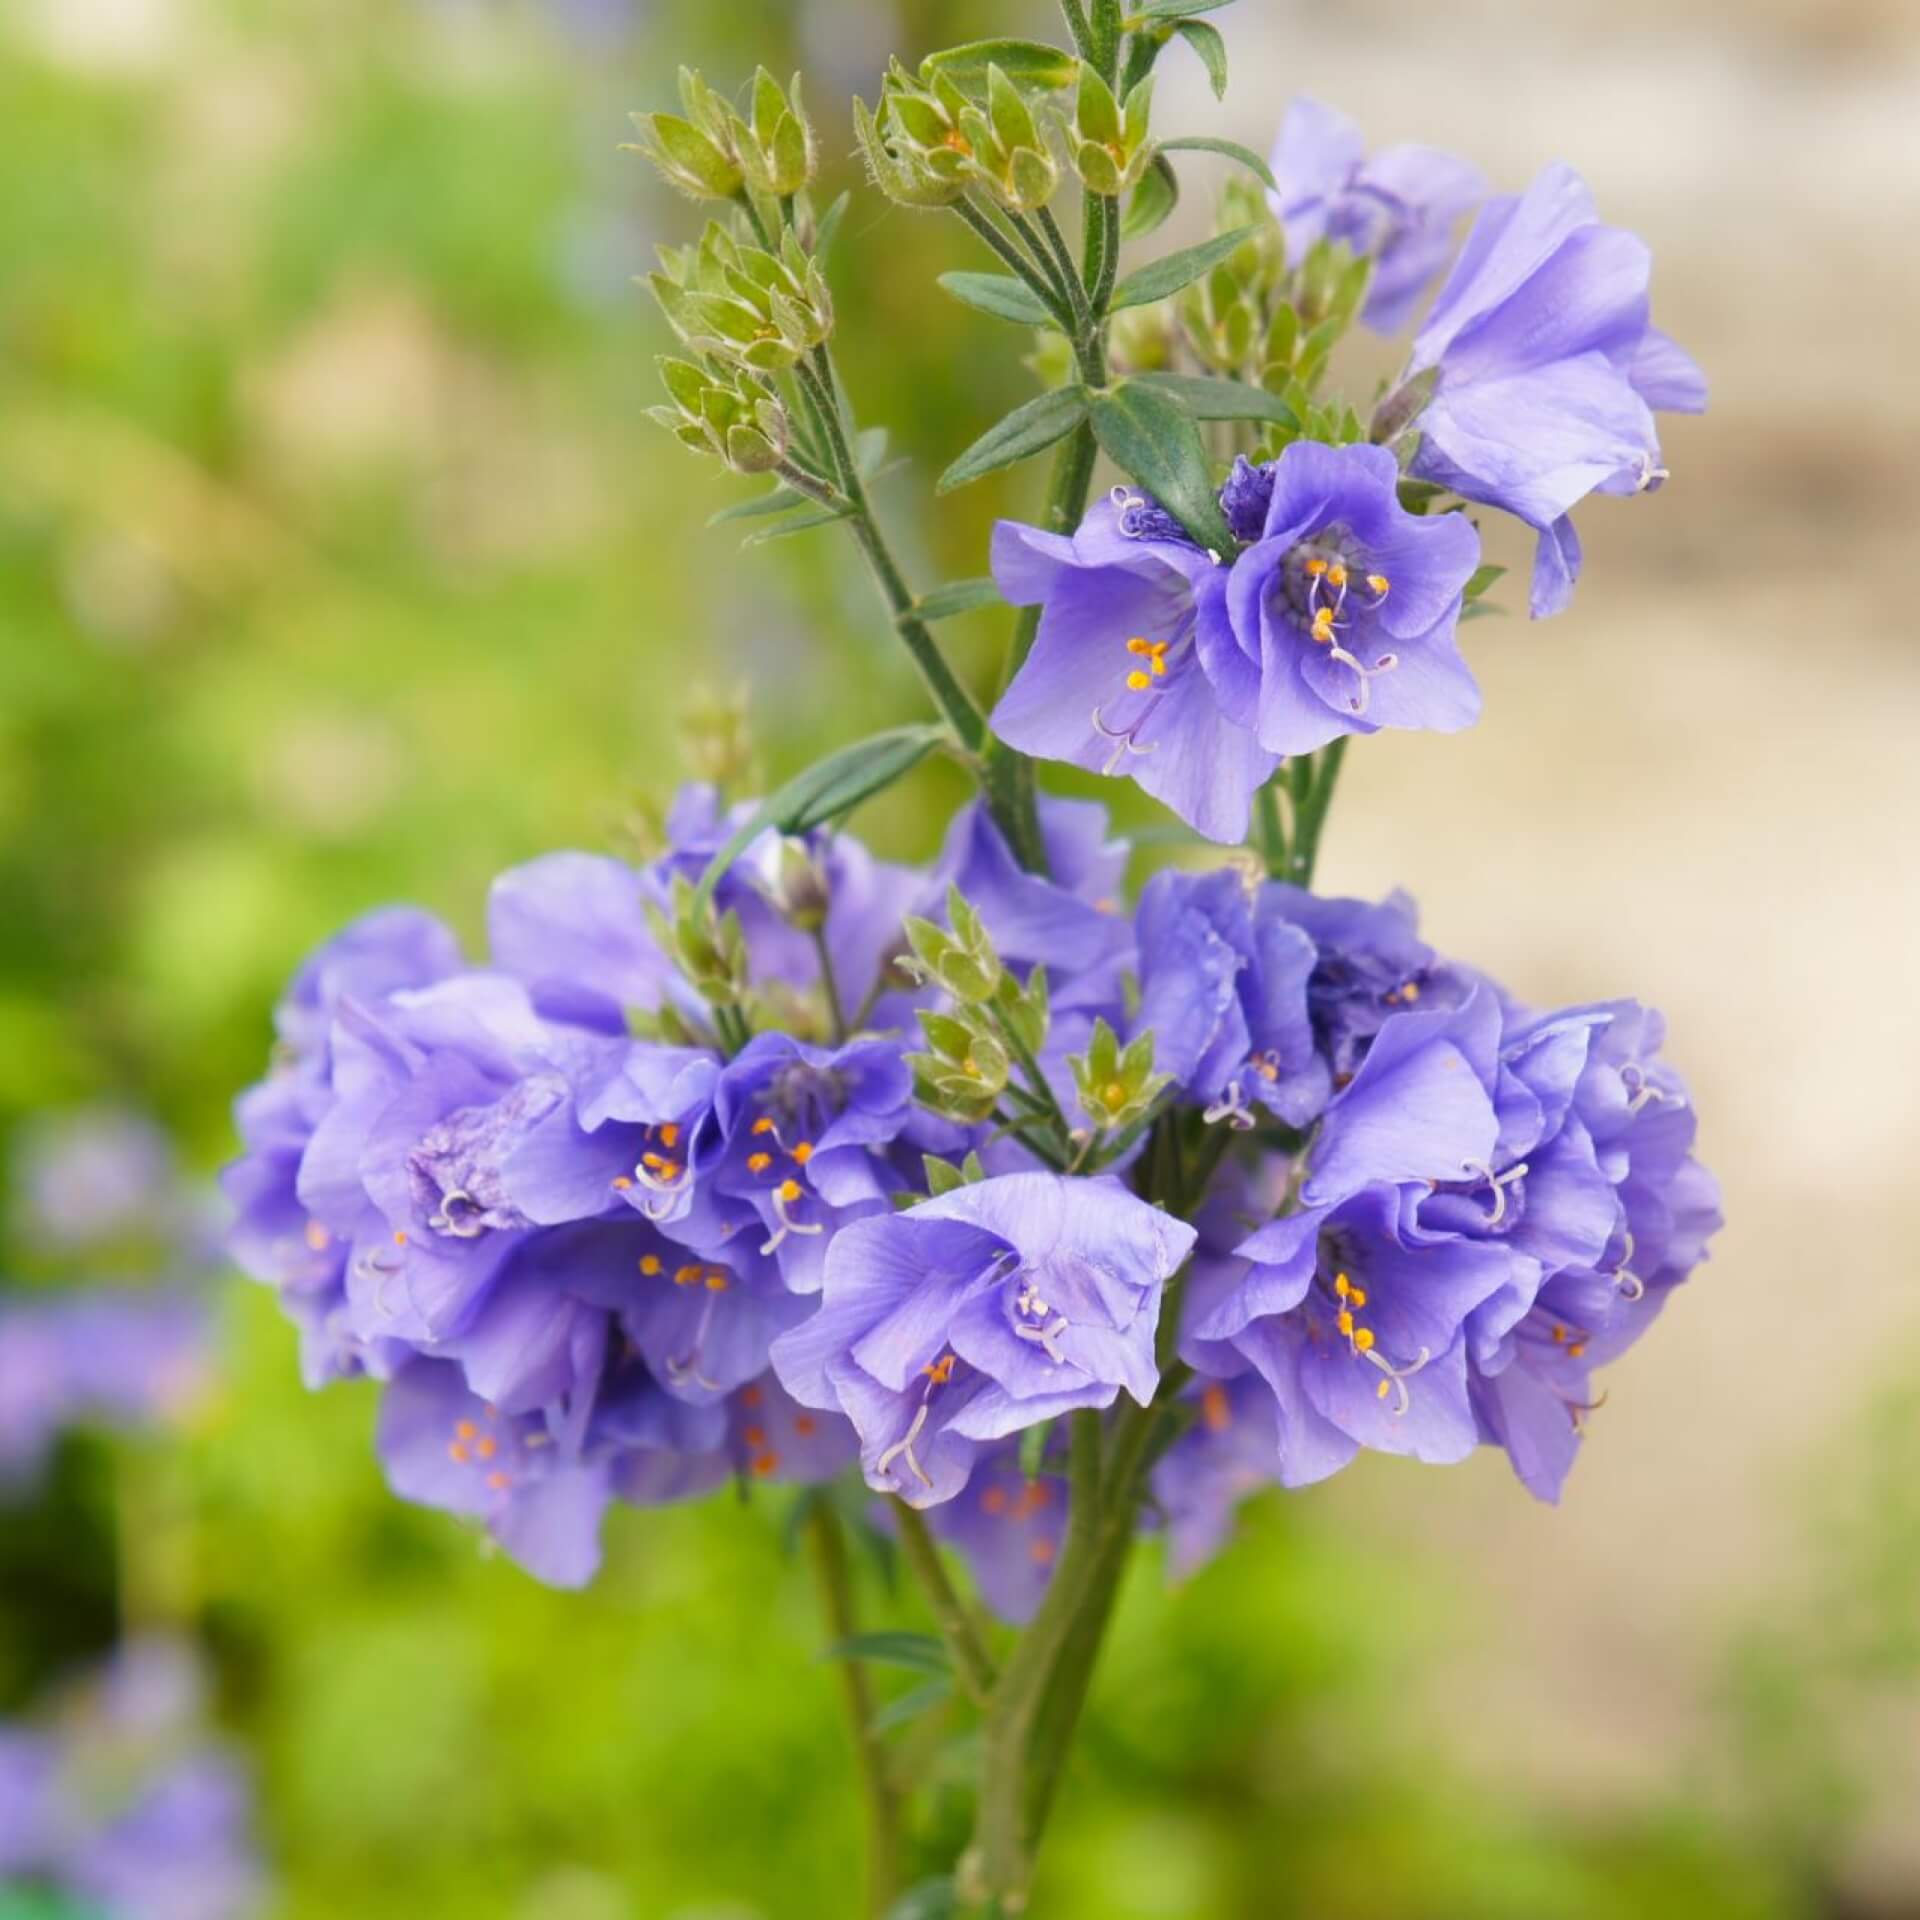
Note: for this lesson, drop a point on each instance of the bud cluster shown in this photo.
(741, 305)
(930, 139)
(730, 415)
(708, 949)
(710, 152)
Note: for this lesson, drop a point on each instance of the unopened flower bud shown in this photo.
(796, 884)
(1111, 149)
(1008, 153)
(776, 149)
(693, 152)
(1116, 1084)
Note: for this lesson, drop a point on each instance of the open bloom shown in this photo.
(1340, 617)
(1121, 676)
(1397, 208)
(1546, 370)
(1009, 1528)
(969, 1317)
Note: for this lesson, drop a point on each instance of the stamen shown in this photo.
(1396, 1377)
(1385, 664)
(1045, 1337)
(1499, 1182)
(1639, 1088)
(784, 1195)
(904, 1447)
(1233, 1109)
(464, 1225)
(1631, 1286)
(1123, 739)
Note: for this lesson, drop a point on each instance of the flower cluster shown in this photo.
(595, 1252)
(1532, 383)
(118, 1802)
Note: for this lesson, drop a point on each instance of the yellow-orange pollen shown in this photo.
(1154, 653)
(695, 1274)
(1216, 1411)
(1361, 1342)
(473, 1445)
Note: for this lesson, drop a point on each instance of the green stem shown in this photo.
(1042, 1088)
(953, 700)
(1077, 26)
(1313, 794)
(1037, 276)
(1272, 833)
(1069, 273)
(828, 1552)
(971, 1661)
(836, 1010)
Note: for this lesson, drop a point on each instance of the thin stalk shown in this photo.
(1069, 273)
(953, 700)
(971, 1661)
(1037, 276)
(1077, 26)
(836, 1011)
(1272, 833)
(1109, 255)
(1312, 797)
(828, 1553)
(1042, 1088)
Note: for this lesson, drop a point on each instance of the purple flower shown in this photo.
(114, 1358)
(1611, 1205)
(1009, 1529)
(1547, 371)
(122, 1805)
(761, 1433)
(1398, 209)
(1123, 673)
(1354, 1317)
(90, 1178)
(1223, 987)
(528, 1478)
(969, 1317)
(574, 926)
(1340, 617)
(1230, 1452)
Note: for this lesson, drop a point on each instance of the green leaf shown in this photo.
(912, 1704)
(1033, 1448)
(1152, 201)
(1212, 49)
(1206, 398)
(1158, 278)
(1019, 436)
(780, 500)
(957, 596)
(1152, 438)
(1002, 296)
(930, 1900)
(827, 231)
(1174, 10)
(1029, 63)
(1483, 578)
(1231, 150)
(829, 788)
(820, 517)
(919, 1652)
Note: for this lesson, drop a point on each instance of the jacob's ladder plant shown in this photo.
(970, 1201)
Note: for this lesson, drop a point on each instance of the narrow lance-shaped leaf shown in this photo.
(1173, 10)
(1151, 437)
(829, 788)
(1212, 49)
(1027, 430)
(956, 597)
(801, 523)
(1158, 278)
(1229, 150)
(780, 500)
(1002, 296)
(919, 1651)
(1206, 398)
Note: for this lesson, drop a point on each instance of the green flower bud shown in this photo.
(710, 951)
(914, 150)
(694, 153)
(1111, 149)
(729, 415)
(798, 887)
(716, 739)
(1004, 148)
(776, 149)
(1116, 1085)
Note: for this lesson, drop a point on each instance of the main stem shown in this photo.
(828, 1551)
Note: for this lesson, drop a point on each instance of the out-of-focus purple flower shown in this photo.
(1230, 1452)
(1340, 617)
(761, 1433)
(970, 1317)
(1008, 1528)
(102, 1357)
(122, 1805)
(1546, 370)
(1397, 209)
(90, 1178)
(1223, 987)
(1123, 675)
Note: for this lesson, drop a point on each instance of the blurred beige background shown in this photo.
(1700, 786)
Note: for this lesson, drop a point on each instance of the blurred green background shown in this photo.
(339, 563)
